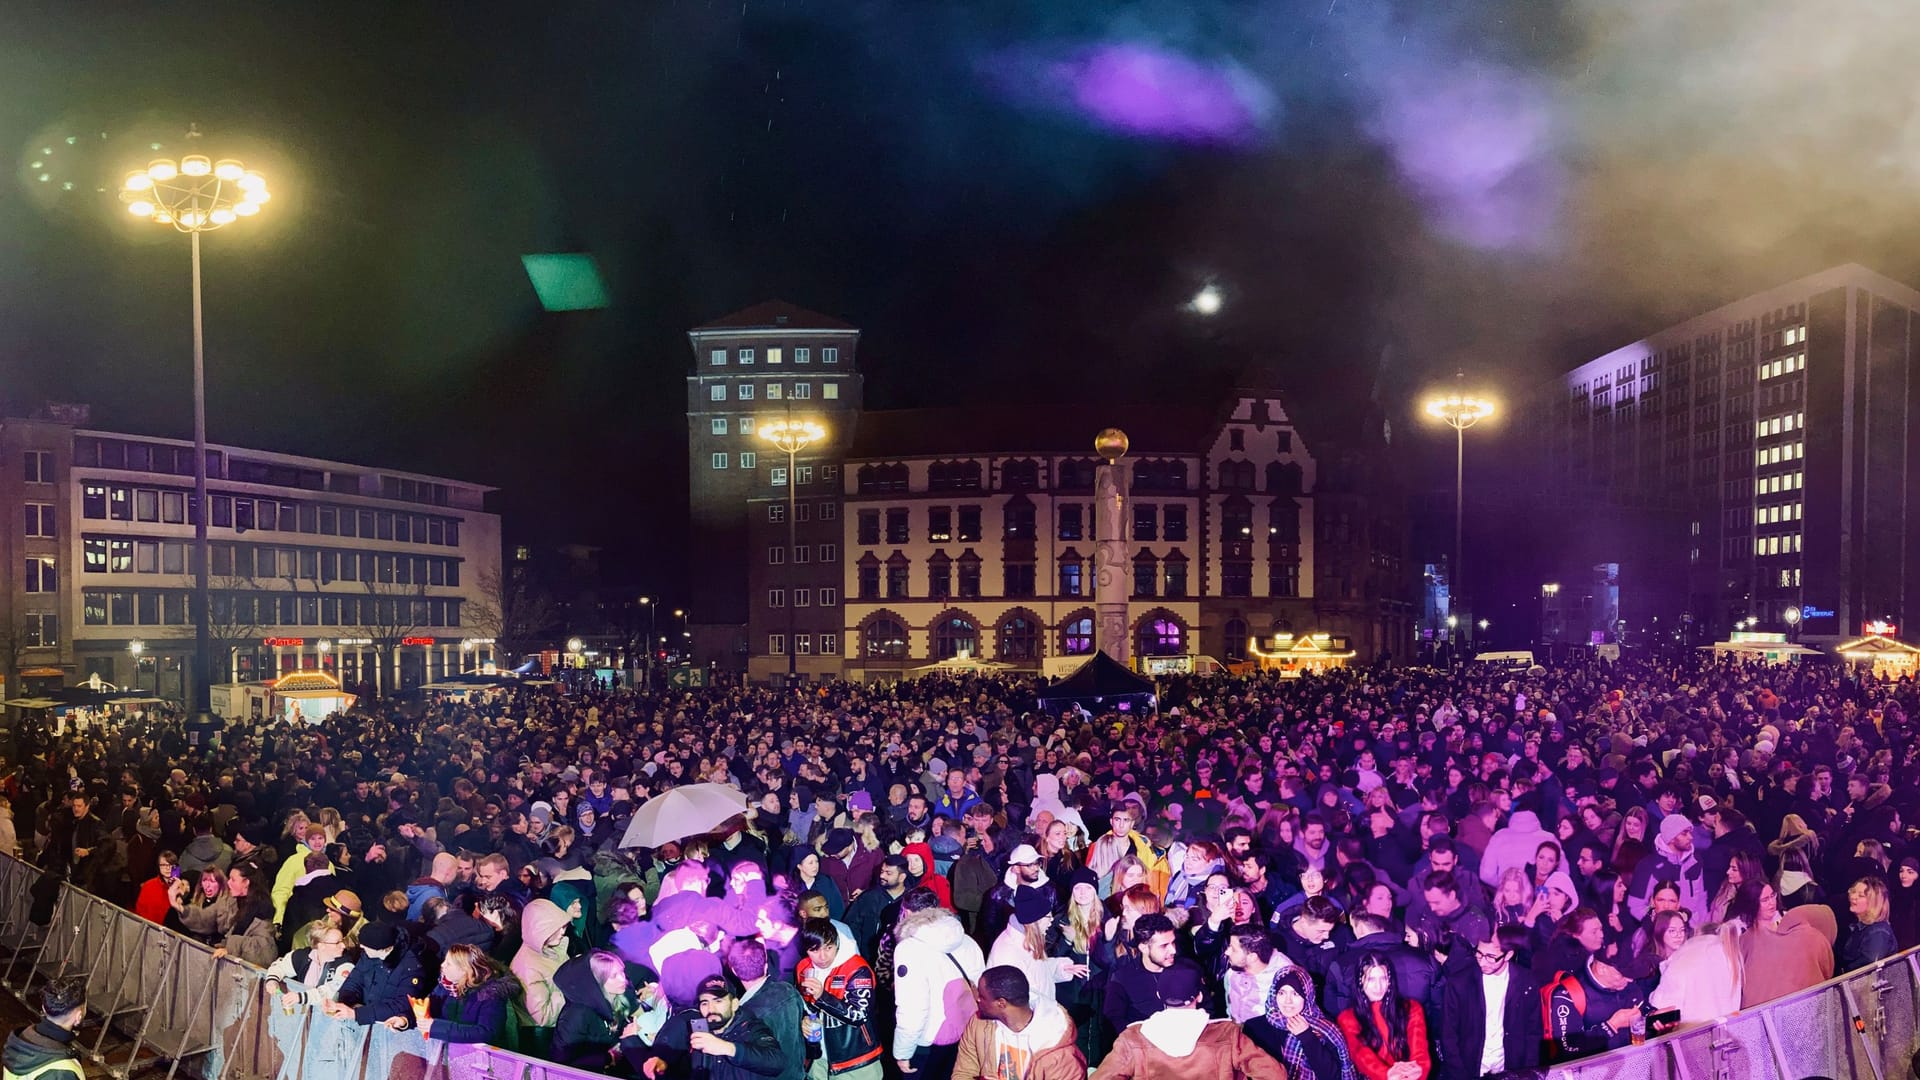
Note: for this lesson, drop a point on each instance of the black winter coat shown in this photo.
(1464, 1034)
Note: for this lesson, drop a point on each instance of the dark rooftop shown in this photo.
(1014, 429)
(775, 315)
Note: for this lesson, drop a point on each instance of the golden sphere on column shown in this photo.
(1111, 444)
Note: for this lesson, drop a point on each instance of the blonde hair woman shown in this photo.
(468, 1004)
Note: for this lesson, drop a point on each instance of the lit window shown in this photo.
(830, 391)
(719, 426)
(773, 391)
(1773, 545)
(1796, 543)
(773, 356)
(719, 461)
(719, 358)
(1759, 545)
(746, 356)
(749, 460)
(717, 392)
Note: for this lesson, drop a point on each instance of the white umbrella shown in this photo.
(682, 812)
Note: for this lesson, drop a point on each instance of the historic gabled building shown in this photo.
(922, 535)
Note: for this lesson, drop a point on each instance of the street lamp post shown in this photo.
(1792, 616)
(194, 195)
(653, 613)
(1459, 410)
(791, 437)
(136, 647)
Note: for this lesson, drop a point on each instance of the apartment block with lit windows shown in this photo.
(1778, 433)
(369, 574)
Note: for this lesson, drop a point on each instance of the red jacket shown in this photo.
(153, 902)
(1373, 1064)
(849, 1034)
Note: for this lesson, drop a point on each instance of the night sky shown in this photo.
(1012, 200)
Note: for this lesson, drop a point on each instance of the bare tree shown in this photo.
(510, 612)
(388, 613)
(233, 622)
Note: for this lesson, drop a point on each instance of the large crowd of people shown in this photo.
(1390, 874)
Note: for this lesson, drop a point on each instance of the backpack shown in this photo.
(1575, 991)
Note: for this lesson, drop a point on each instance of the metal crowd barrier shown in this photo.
(1857, 1026)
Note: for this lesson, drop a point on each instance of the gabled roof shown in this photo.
(775, 315)
(1152, 430)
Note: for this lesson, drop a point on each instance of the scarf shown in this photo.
(1294, 1050)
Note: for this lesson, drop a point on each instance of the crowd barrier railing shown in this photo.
(172, 1003)
(1858, 1026)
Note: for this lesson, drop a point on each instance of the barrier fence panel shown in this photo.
(1859, 1026)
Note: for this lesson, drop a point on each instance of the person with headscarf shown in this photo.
(1904, 895)
(1296, 1033)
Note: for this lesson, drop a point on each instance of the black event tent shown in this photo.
(1102, 684)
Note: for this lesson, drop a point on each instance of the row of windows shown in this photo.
(803, 644)
(802, 553)
(114, 502)
(1774, 455)
(1017, 638)
(1776, 545)
(1793, 335)
(803, 511)
(802, 597)
(944, 525)
(111, 555)
(801, 355)
(1790, 578)
(1778, 424)
(240, 614)
(1774, 515)
(1786, 365)
(799, 391)
(1768, 485)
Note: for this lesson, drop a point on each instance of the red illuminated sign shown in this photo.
(283, 642)
(416, 641)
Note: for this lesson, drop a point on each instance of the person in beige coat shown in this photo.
(1017, 1034)
(1181, 1042)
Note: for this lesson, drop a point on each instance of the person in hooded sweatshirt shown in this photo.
(1513, 846)
(1181, 1042)
(543, 948)
(601, 1011)
(45, 1050)
(1017, 1036)
(1674, 860)
(935, 963)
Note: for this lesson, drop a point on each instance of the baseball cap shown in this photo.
(1023, 855)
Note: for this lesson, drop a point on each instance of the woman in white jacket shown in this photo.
(1023, 944)
(1702, 978)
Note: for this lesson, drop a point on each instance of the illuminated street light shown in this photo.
(1792, 616)
(1459, 410)
(193, 196)
(1484, 624)
(790, 437)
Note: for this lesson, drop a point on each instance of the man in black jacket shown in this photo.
(1492, 1012)
(1133, 991)
(377, 990)
(1413, 971)
(1594, 1009)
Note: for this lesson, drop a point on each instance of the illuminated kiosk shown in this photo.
(1888, 657)
(1294, 656)
(308, 696)
(1760, 646)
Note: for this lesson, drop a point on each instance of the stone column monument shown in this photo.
(1110, 558)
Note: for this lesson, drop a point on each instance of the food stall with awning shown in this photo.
(1888, 657)
(1293, 656)
(308, 696)
(1762, 646)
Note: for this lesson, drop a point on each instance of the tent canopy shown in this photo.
(1100, 680)
(960, 665)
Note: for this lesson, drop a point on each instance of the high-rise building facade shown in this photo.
(1773, 445)
(374, 575)
(770, 361)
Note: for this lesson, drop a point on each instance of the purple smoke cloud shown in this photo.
(1140, 90)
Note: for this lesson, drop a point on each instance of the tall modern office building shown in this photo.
(1770, 448)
